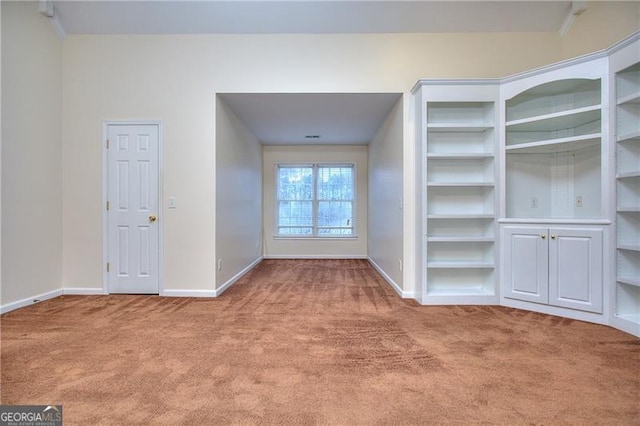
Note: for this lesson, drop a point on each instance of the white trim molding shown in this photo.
(403, 294)
(315, 256)
(576, 8)
(78, 291)
(30, 301)
(453, 82)
(188, 293)
(62, 33)
(236, 277)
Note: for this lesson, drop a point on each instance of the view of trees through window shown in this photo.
(316, 200)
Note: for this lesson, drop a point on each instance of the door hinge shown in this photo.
(107, 205)
(107, 143)
(108, 266)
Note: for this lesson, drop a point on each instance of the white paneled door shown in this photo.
(575, 268)
(527, 264)
(132, 208)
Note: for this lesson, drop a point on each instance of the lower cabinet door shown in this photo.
(575, 268)
(526, 263)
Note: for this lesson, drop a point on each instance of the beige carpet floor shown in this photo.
(314, 342)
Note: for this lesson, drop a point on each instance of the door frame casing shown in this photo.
(105, 193)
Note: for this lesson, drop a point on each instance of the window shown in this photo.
(315, 200)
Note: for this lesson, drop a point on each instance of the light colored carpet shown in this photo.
(314, 342)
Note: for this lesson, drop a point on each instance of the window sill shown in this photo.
(279, 237)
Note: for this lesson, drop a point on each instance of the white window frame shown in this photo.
(314, 202)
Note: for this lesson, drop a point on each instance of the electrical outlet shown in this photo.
(219, 264)
(579, 201)
(534, 202)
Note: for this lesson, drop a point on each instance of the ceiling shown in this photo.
(288, 118)
(306, 16)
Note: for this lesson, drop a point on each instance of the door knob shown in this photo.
(152, 218)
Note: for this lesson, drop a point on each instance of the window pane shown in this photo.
(295, 183)
(295, 213)
(315, 201)
(295, 231)
(335, 214)
(335, 183)
(333, 232)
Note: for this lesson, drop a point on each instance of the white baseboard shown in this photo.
(555, 310)
(188, 293)
(30, 301)
(396, 287)
(625, 325)
(237, 276)
(314, 256)
(84, 291)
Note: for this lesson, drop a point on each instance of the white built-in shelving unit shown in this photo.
(555, 218)
(627, 182)
(459, 194)
(529, 189)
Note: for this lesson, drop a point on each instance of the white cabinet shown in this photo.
(555, 211)
(459, 202)
(625, 68)
(558, 266)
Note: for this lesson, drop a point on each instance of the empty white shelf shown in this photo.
(635, 173)
(460, 264)
(460, 239)
(632, 247)
(460, 291)
(572, 143)
(634, 281)
(459, 156)
(461, 127)
(558, 120)
(629, 136)
(460, 184)
(461, 216)
(632, 98)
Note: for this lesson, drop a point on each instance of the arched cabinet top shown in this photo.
(554, 97)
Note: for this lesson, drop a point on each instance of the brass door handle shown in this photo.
(152, 218)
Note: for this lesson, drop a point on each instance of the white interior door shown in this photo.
(132, 203)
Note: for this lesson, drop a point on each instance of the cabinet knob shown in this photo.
(543, 236)
(553, 236)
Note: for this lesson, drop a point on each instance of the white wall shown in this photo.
(314, 248)
(0, 155)
(385, 247)
(31, 154)
(175, 77)
(238, 196)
